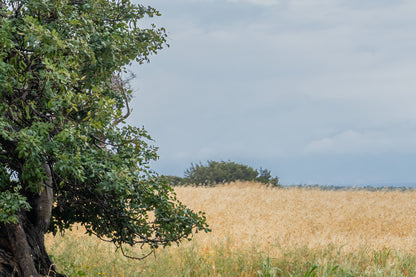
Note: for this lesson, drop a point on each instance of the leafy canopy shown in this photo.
(63, 103)
(223, 172)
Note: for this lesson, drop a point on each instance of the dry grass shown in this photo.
(254, 214)
(260, 231)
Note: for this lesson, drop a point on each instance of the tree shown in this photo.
(265, 176)
(224, 172)
(66, 154)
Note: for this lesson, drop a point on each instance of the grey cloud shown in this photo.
(293, 81)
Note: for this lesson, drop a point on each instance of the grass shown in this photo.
(259, 231)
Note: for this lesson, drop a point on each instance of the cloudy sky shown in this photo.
(317, 91)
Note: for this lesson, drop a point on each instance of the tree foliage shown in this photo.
(63, 107)
(224, 172)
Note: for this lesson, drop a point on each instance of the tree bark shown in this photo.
(22, 245)
(21, 250)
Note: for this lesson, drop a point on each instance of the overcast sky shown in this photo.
(317, 91)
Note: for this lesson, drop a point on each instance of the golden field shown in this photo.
(261, 231)
(252, 213)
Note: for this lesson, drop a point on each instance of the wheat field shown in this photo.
(262, 231)
(252, 213)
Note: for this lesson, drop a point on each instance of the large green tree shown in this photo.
(66, 154)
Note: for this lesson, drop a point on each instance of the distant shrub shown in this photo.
(224, 172)
(175, 180)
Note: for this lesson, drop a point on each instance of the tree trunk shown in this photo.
(22, 245)
(22, 251)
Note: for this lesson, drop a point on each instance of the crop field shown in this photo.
(261, 231)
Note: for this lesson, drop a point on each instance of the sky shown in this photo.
(317, 91)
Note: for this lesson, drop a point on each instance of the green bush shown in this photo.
(175, 180)
(223, 172)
